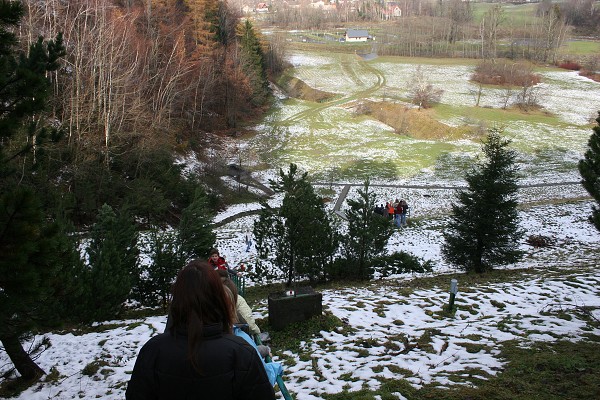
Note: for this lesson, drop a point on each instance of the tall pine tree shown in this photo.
(483, 231)
(368, 232)
(204, 15)
(298, 237)
(153, 284)
(39, 267)
(113, 259)
(254, 65)
(24, 87)
(195, 231)
(170, 249)
(589, 168)
(33, 255)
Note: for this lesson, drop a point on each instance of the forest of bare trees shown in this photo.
(142, 66)
(428, 28)
(453, 33)
(141, 78)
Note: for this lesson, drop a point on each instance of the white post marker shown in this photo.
(454, 286)
(453, 291)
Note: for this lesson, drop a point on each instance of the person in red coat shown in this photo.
(390, 209)
(217, 262)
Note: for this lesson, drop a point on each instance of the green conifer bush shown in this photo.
(483, 231)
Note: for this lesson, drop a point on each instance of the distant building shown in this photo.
(392, 10)
(291, 4)
(262, 8)
(357, 35)
(323, 5)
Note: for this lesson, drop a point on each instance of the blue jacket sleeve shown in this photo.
(254, 383)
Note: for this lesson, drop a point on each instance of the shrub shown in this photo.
(540, 241)
(572, 65)
(400, 262)
(505, 73)
(348, 269)
(92, 368)
(595, 76)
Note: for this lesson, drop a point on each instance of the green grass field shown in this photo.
(339, 137)
(516, 14)
(580, 47)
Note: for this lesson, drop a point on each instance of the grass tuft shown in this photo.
(561, 370)
(293, 335)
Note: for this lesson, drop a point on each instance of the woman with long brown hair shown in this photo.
(199, 357)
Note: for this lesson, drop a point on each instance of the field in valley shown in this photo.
(333, 139)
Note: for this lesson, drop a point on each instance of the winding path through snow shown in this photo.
(347, 186)
(349, 69)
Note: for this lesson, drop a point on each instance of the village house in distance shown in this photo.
(357, 35)
(391, 9)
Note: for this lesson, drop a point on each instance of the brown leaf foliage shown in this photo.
(505, 72)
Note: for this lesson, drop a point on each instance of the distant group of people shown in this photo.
(395, 211)
(205, 351)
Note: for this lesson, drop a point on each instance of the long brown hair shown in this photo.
(198, 300)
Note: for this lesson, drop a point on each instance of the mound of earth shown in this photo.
(419, 124)
(296, 88)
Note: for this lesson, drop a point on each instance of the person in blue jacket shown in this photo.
(199, 357)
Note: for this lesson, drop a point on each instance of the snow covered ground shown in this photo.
(386, 321)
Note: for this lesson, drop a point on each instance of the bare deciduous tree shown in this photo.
(548, 31)
(476, 93)
(421, 91)
(488, 30)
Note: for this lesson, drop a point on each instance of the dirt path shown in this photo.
(347, 186)
(342, 197)
(451, 187)
(350, 70)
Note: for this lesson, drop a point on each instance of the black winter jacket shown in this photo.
(231, 369)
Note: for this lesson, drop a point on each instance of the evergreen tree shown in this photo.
(33, 256)
(368, 232)
(317, 241)
(268, 230)
(483, 230)
(298, 237)
(204, 15)
(254, 62)
(195, 231)
(169, 250)
(67, 282)
(113, 257)
(39, 267)
(589, 168)
(153, 285)
(24, 87)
